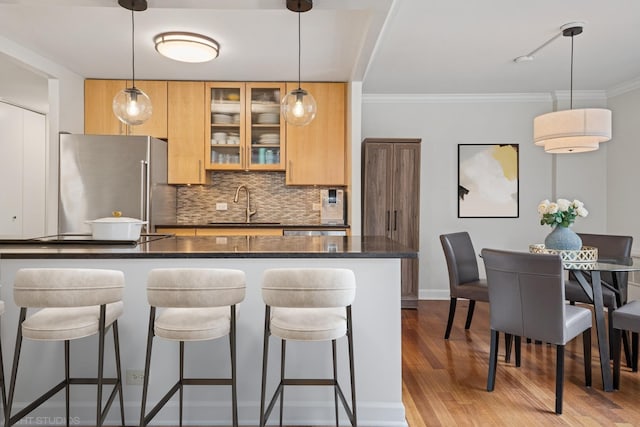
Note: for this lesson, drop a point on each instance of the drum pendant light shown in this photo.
(572, 131)
(298, 106)
(131, 105)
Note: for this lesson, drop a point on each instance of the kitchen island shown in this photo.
(377, 330)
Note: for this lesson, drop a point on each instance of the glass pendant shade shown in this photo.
(298, 107)
(132, 106)
(572, 131)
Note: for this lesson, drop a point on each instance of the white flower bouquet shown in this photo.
(562, 212)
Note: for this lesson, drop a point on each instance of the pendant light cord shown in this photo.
(299, 46)
(571, 82)
(133, 50)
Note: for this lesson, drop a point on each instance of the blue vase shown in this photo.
(563, 238)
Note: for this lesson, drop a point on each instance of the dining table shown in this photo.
(588, 275)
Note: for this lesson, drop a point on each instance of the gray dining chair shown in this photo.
(464, 279)
(526, 298)
(614, 292)
(625, 318)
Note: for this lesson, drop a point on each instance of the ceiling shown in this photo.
(393, 46)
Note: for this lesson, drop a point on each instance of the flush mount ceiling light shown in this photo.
(131, 105)
(572, 131)
(186, 47)
(298, 106)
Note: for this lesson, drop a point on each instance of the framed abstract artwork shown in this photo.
(488, 181)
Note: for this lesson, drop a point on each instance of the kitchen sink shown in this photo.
(247, 224)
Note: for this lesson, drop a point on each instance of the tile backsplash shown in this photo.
(272, 200)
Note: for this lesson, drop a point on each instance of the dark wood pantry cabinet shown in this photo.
(391, 200)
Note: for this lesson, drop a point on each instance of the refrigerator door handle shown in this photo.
(144, 202)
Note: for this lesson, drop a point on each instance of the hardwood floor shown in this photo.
(444, 381)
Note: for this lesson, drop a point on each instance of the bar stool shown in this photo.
(199, 304)
(308, 304)
(75, 303)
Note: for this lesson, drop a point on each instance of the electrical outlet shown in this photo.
(221, 206)
(135, 377)
(316, 206)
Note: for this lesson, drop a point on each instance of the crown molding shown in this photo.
(582, 95)
(454, 98)
(625, 87)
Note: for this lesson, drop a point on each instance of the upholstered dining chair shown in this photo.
(625, 318)
(526, 298)
(609, 246)
(464, 279)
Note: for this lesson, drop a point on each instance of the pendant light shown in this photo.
(131, 105)
(298, 106)
(572, 131)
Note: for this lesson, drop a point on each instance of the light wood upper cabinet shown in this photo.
(156, 126)
(316, 152)
(244, 126)
(186, 123)
(98, 111)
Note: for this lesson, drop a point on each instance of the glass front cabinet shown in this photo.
(245, 128)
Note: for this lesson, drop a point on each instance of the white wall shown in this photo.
(443, 122)
(623, 171)
(65, 112)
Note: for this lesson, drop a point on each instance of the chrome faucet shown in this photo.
(235, 200)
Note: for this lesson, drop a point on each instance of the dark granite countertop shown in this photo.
(221, 247)
(255, 225)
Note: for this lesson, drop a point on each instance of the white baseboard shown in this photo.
(433, 294)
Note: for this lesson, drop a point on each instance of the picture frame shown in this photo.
(488, 181)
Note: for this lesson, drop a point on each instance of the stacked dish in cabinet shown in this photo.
(226, 109)
(265, 126)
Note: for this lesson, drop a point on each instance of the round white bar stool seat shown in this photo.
(60, 324)
(193, 324)
(308, 324)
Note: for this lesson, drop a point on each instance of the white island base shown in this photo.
(377, 348)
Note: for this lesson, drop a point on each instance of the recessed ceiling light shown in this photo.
(186, 47)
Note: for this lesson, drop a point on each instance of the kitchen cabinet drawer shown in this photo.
(99, 118)
(178, 231)
(238, 231)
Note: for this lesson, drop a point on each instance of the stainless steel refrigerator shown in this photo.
(100, 174)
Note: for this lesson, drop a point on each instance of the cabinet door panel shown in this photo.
(406, 194)
(316, 152)
(377, 194)
(157, 124)
(98, 112)
(186, 132)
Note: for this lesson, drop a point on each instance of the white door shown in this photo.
(22, 172)
(11, 129)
